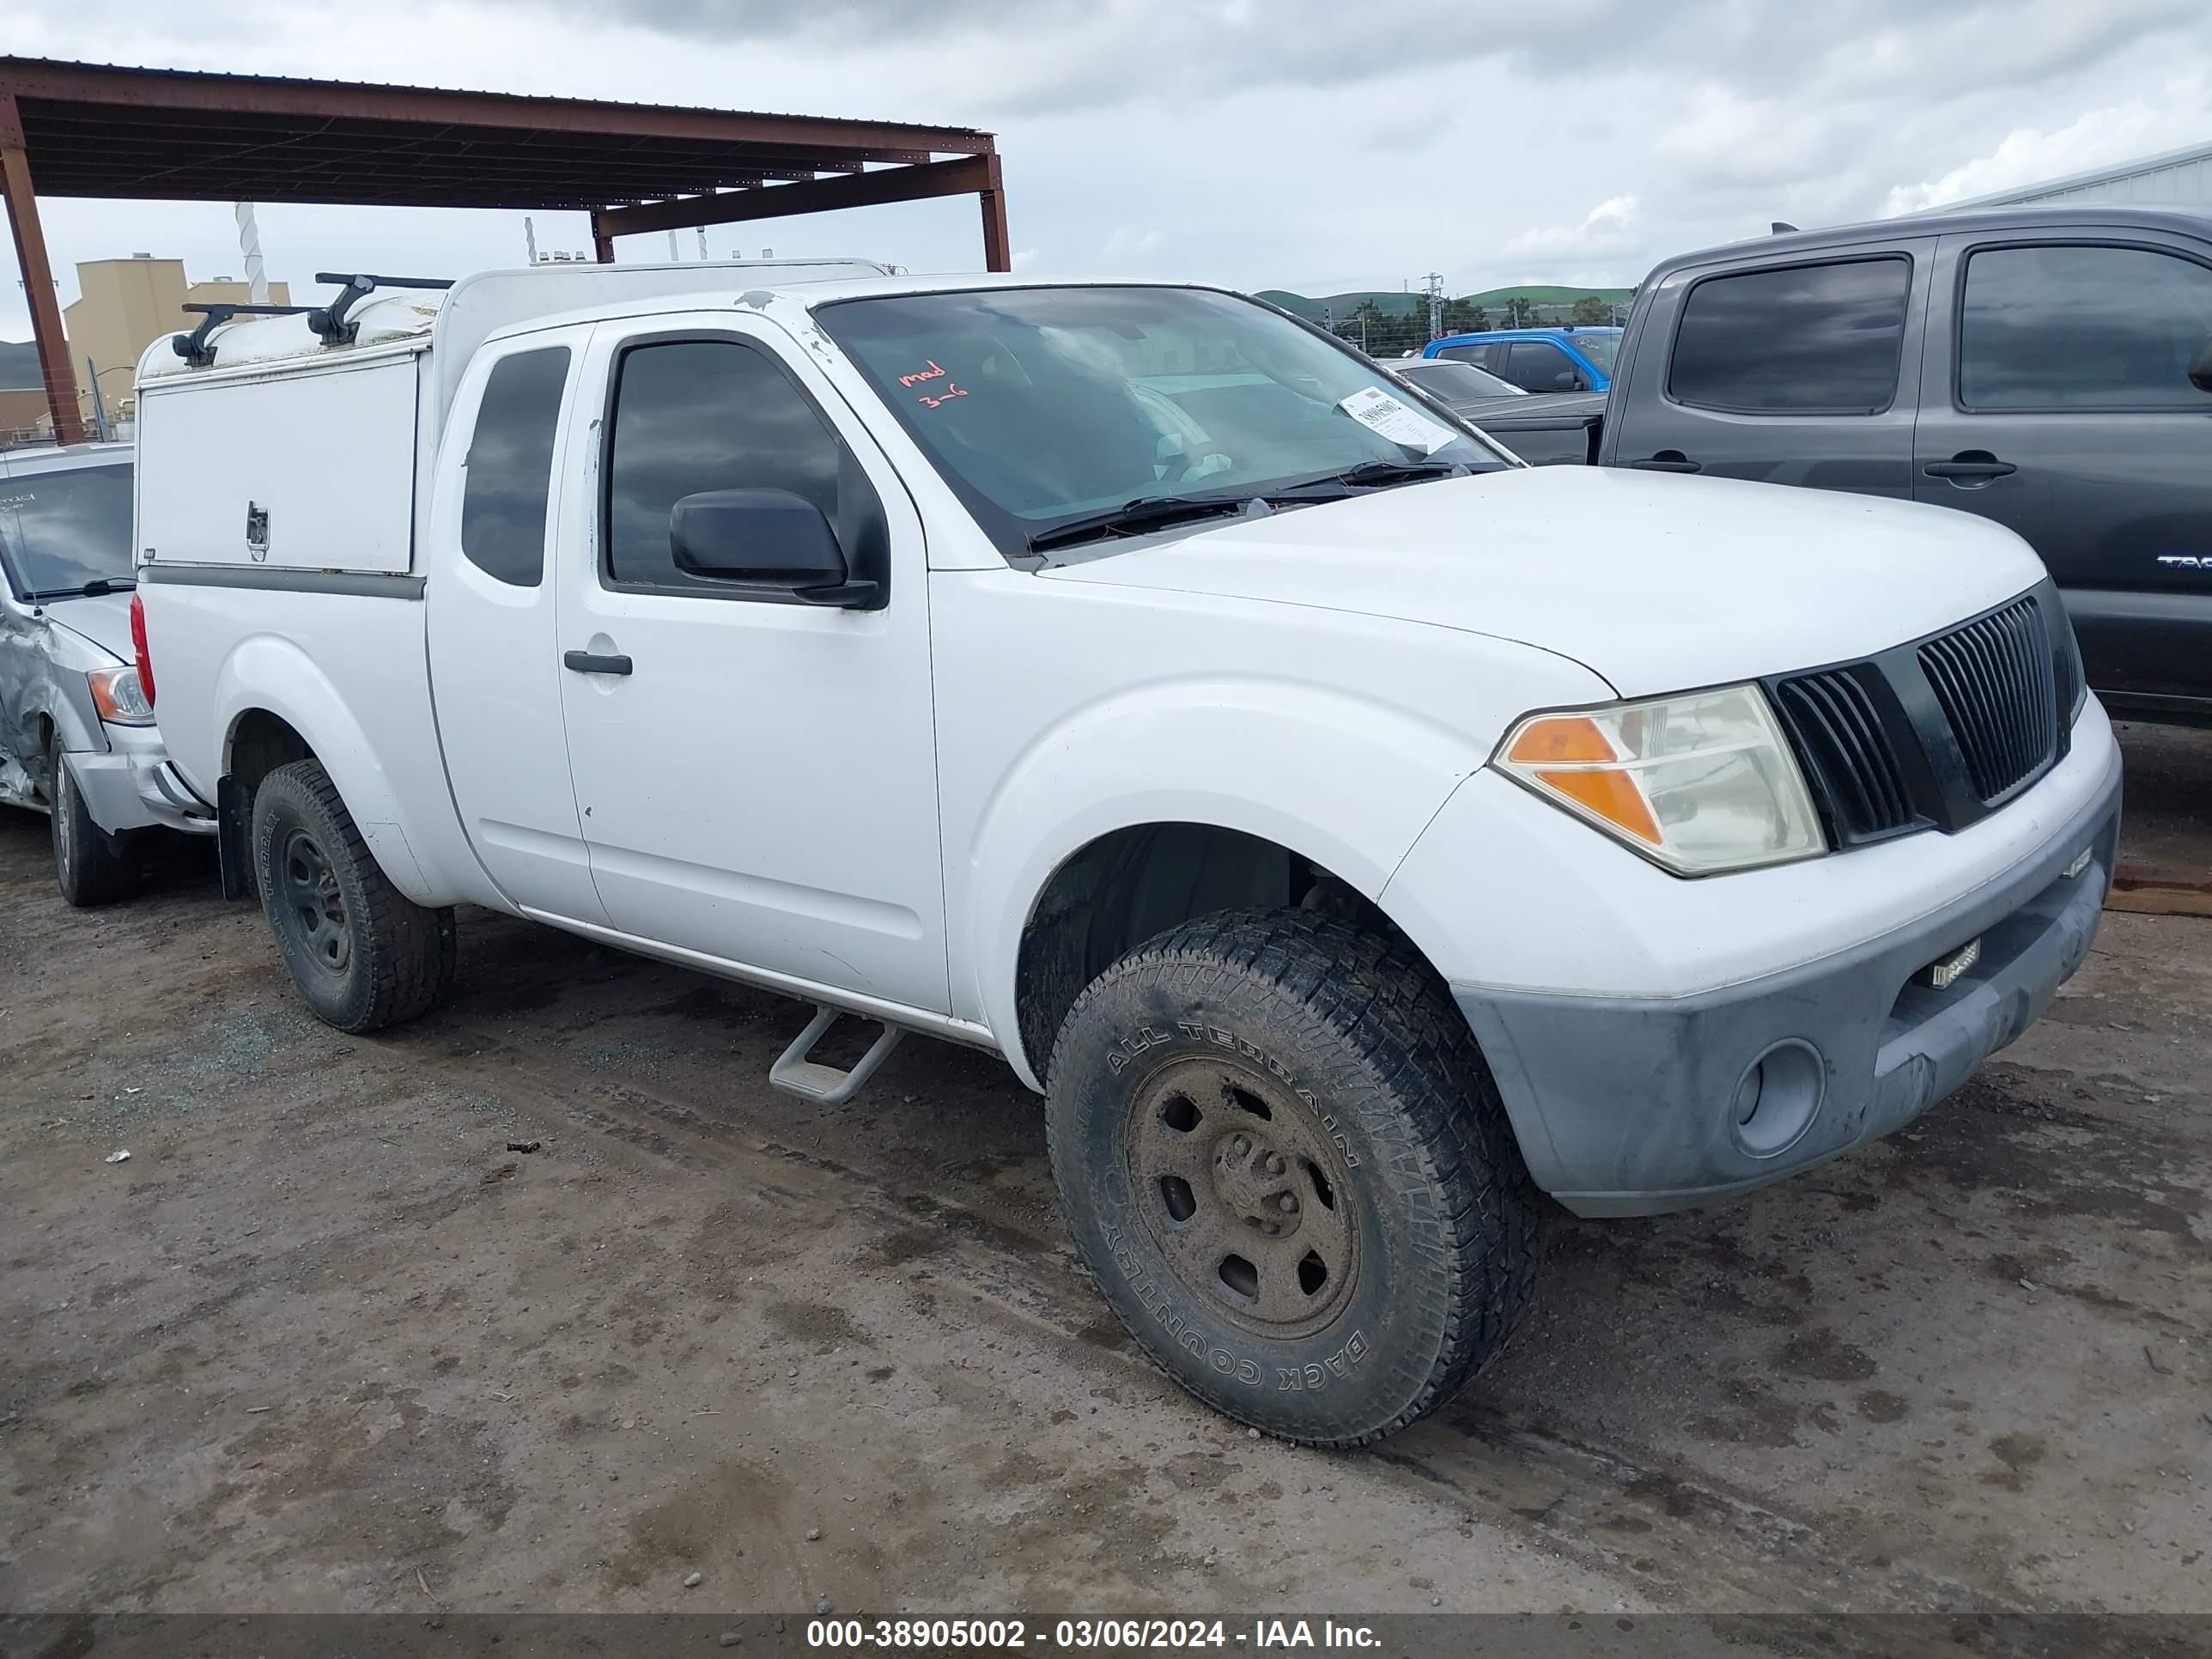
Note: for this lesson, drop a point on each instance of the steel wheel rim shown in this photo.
(1214, 1149)
(65, 815)
(313, 908)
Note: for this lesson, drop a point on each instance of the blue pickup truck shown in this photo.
(1537, 359)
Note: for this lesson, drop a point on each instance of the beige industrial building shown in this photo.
(125, 305)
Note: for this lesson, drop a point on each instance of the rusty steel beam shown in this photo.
(998, 251)
(966, 176)
(54, 369)
(603, 239)
(47, 80)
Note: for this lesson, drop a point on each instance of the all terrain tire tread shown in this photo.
(1387, 1006)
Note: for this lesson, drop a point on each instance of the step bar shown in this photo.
(796, 1073)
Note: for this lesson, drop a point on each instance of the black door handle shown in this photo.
(1972, 463)
(1666, 460)
(589, 662)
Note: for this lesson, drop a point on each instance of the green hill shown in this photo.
(1538, 295)
(1341, 305)
(1548, 298)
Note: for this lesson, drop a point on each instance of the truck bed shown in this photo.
(1548, 430)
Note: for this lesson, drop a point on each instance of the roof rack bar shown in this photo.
(198, 350)
(332, 322)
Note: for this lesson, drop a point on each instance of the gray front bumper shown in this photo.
(1632, 1107)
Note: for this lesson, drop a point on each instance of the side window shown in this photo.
(1536, 366)
(1807, 340)
(1465, 354)
(699, 415)
(510, 466)
(2082, 328)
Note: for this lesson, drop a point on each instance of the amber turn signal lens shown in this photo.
(1613, 796)
(1561, 737)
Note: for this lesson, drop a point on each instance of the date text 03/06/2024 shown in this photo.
(1260, 1635)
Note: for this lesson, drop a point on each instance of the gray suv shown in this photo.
(2049, 368)
(77, 740)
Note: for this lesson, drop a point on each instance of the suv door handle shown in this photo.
(1971, 464)
(1666, 460)
(589, 662)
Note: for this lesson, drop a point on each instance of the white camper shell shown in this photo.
(242, 472)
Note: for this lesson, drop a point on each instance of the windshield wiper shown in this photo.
(91, 589)
(1381, 472)
(1145, 512)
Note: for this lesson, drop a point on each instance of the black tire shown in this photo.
(1281, 1054)
(92, 867)
(363, 954)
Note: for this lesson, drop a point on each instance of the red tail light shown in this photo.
(138, 647)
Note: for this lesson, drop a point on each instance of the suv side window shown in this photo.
(698, 415)
(1821, 339)
(510, 466)
(1536, 366)
(2081, 327)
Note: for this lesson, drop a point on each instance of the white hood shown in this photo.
(1657, 583)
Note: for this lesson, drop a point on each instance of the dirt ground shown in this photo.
(325, 1342)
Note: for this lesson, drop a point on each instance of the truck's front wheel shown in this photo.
(363, 954)
(1283, 1162)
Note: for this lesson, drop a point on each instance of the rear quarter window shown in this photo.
(1815, 339)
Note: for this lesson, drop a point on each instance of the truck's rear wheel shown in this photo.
(92, 867)
(1285, 1162)
(363, 954)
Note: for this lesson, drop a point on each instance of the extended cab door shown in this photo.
(494, 673)
(1800, 368)
(2059, 403)
(757, 774)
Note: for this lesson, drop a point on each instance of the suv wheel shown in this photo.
(1284, 1161)
(92, 867)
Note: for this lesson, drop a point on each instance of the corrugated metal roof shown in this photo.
(2177, 176)
(92, 129)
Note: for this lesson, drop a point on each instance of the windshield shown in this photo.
(1042, 406)
(1600, 348)
(1461, 380)
(59, 530)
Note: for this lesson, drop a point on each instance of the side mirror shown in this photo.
(2200, 372)
(770, 537)
(1567, 380)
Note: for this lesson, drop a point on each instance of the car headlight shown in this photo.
(119, 698)
(1697, 783)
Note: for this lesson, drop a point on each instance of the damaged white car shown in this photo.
(78, 739)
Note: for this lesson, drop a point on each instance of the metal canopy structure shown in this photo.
(170, 134)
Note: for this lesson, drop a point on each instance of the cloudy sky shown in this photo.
(1310, 144)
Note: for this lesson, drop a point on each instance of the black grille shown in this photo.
(1843, 740)
(2066, 660)
(1939, 732)
(1994, 677)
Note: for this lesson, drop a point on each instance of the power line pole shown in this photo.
(1434, 287)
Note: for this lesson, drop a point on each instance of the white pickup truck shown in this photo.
(1354, 834)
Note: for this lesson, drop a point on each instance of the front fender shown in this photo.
(42, 676)
(267, 672)
(1346, 782)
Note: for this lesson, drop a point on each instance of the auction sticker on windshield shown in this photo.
(1381, 413)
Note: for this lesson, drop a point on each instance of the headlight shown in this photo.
(119, 698)
(1698, 783)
